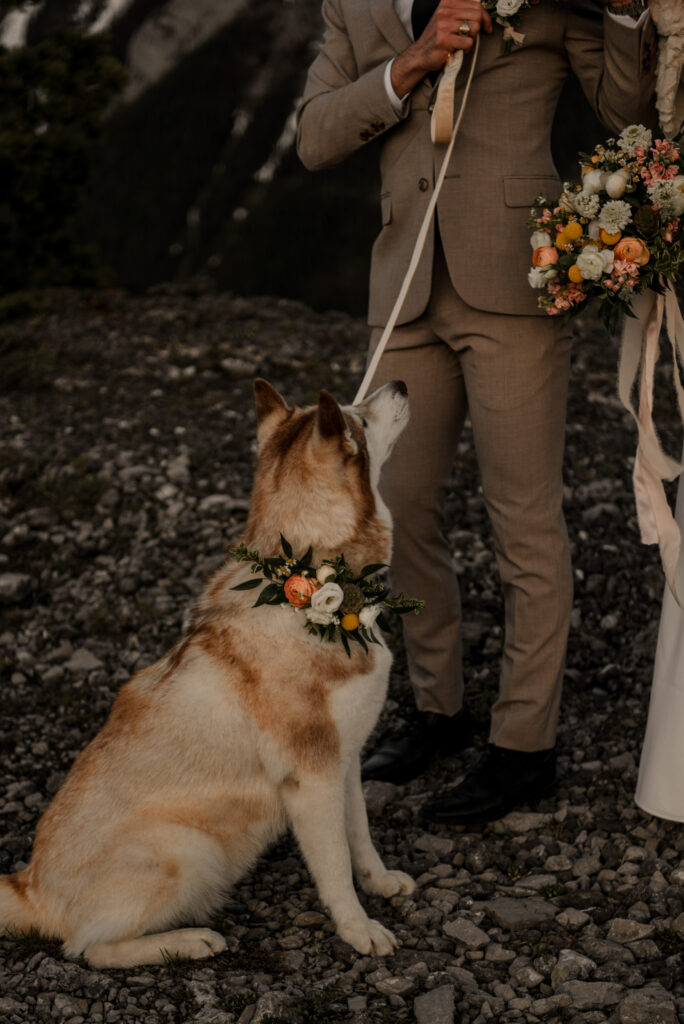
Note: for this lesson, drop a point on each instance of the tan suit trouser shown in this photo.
(510, 373)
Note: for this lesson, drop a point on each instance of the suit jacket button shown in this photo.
(431, 108)
(423, 184)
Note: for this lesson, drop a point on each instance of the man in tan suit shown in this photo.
(470, 339)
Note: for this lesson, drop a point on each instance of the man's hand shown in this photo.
(440, 38)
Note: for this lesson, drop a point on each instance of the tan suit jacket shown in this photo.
(502, 158)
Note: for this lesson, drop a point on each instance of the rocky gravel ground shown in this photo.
(126, 453)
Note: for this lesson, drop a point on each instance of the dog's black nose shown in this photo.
(400, 387)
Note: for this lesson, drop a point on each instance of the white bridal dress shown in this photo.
(660, 788)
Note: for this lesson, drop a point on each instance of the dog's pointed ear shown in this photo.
(330, 422)
(269, 404)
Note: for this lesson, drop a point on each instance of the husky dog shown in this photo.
(248, 725)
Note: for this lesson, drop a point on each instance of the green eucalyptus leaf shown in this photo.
(286, 546)
(269, 595)
(248, 585)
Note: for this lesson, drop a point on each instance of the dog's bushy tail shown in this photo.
(16, 913)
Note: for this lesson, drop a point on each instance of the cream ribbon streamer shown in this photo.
(638, 355)
(443, 102)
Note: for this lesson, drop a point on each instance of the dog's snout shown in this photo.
(400, 387)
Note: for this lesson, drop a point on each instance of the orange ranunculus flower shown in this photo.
(632, 249)
(298, 590)
(544, 255)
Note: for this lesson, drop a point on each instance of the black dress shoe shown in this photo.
(501, 780)
(428, 737)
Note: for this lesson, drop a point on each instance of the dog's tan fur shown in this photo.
(248, 724)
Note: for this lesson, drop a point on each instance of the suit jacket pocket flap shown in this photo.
(524, 191)
(386, 207)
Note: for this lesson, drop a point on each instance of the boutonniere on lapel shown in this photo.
(507, 14)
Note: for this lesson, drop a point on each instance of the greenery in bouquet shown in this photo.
(619, 232)
(337, 603)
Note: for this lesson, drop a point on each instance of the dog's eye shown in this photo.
(364, 421)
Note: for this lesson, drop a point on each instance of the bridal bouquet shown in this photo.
(618, 233)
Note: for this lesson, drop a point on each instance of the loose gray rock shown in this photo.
(377, 795)
(647, 1006)
(83, 660)
(571, 965)
(466, 933)
(623, 930)
(395, 986)
(272, 1004)
(543, 1007)
(65, 1006)
(513, 914)
(438, 845)
(588, 865)
(572, 919)
(522, 821)
(435, 1007)
(591, 995)
(15, 586)
(603, 950)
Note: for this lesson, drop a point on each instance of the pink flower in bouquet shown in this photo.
(566, 295)
(626, 272)
(656, 171)
(670, 230)
(665, 149)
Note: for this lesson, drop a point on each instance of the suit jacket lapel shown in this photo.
(386, 18)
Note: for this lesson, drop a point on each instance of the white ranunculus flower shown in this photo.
(593, 230)
(325, 572)
(608, 257)
(540, 238)
(319, 618)
(328, 598)
(537, 277)
(635, 135)
(615, 216)
(590, 263)
(368, 615)
(592, 182)
(507, 8)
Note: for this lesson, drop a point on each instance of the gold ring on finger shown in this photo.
(464, 28)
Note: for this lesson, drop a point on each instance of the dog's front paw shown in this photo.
(391, 883)
(369, 937)
(196, 943)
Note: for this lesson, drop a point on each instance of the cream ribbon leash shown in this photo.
(441, 131)
(638, 356)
